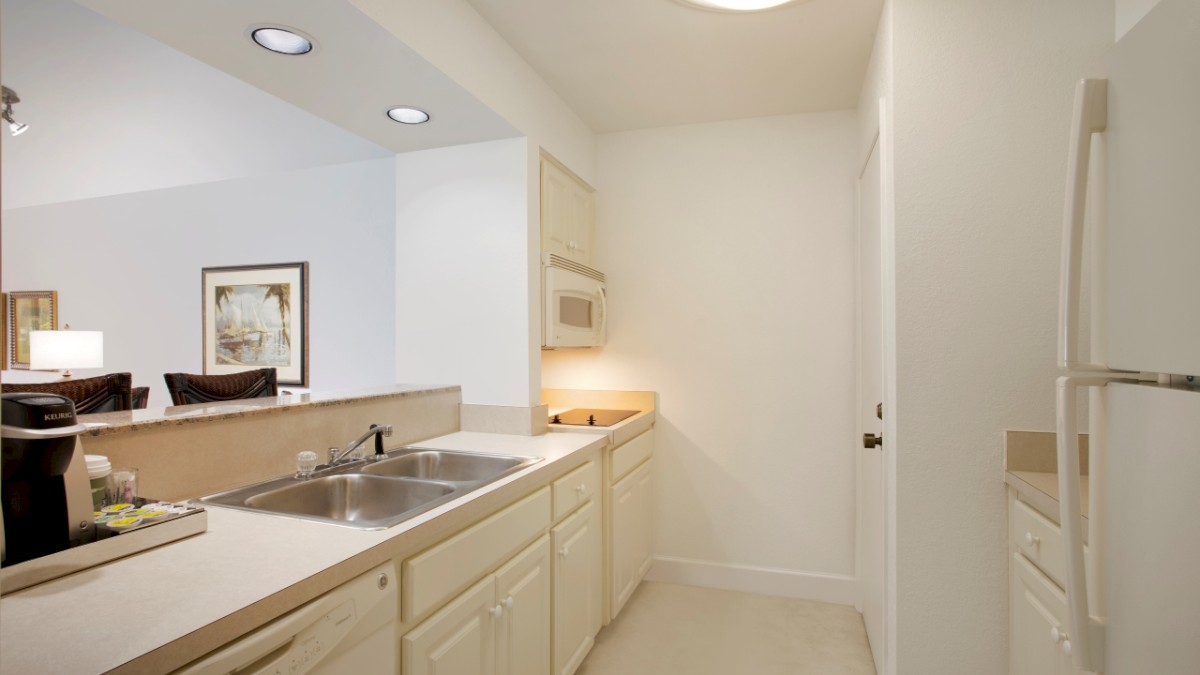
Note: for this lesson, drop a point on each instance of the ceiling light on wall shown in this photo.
(282, 40)
(738, 5)
(7, 98)
(408, 115)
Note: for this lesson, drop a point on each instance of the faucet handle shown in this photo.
(306, 461)
(381, 430)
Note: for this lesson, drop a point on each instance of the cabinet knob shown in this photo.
(508, 603)
(1057, 636)
(581, 489)
(872, 441)
(1031, 540)
(564, 551)
(497, 611)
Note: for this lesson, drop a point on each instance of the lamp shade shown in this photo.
(60, 349)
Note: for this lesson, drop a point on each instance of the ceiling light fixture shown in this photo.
(282, 40)
(738, 5)
(408, 115)
(7, 98)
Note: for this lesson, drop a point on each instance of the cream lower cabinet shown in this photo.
(1038, 640)
(1038, 623)
(632, 545)
(629, 522)
(501, 625)
(578, 587)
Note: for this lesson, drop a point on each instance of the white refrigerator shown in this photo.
(1134, 196)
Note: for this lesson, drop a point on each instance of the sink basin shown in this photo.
(353, 498)
(447, 465)
(378, 494)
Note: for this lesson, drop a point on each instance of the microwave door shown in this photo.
(575, 310)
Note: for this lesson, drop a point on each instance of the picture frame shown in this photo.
(26, 311)
(256, 316)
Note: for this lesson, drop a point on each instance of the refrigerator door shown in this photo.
(1151, 283)
(1151, 528)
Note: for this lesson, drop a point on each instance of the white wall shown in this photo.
(729, 254)
(129, 265)
(1129, 12)
(982, 94)
(877, 82)
(465, 270)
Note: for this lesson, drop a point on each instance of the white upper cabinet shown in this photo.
(568, 214)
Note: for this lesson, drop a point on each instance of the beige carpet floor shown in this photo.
(666, 629)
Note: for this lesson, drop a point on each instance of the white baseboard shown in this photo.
(834, 588)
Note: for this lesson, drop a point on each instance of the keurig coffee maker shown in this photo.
(45, 493)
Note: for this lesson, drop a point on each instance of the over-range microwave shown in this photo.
(574, 305)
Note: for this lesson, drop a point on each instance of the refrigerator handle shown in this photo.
(1085, 632)
(1090, 115)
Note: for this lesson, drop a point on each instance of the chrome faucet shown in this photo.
(376, 430)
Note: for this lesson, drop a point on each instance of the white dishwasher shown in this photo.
(351, 629)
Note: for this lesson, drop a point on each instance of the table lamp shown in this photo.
(65, 349)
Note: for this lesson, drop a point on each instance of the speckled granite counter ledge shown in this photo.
(103, 424)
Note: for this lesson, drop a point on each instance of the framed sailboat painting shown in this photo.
(256, 316)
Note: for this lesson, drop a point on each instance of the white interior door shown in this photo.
(871, 485)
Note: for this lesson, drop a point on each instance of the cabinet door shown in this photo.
(1037, 608)
(568, 214)
(458, 640)
(578, 592)
(582, 216)
(632, 502)
(523, 590)
(556, 210)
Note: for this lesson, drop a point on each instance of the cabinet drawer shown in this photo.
(430, 578)
(1036, 607)
(631, 454)
(1039, 539)
(576, 488)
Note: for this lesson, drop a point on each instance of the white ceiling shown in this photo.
(357, 71)
(630, 64)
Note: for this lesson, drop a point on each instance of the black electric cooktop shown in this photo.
(591, 417)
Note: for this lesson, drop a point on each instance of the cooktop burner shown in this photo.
(593, 417)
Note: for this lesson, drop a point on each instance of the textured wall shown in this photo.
(983, 94)
(465, 267)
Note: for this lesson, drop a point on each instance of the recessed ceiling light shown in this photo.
(407, 115)
(281, 40)
(738, 5)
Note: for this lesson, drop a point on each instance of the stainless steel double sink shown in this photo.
(374, 495)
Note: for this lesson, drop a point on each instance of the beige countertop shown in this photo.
(158, 610)
(1030, 463)
(561, 400)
